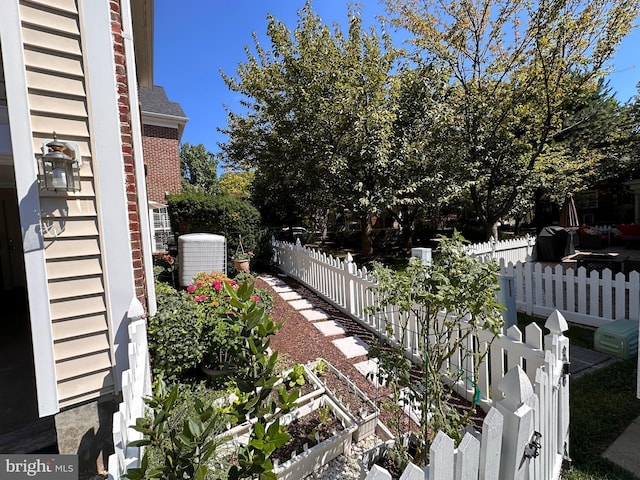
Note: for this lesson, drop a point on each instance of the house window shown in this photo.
(162, 234)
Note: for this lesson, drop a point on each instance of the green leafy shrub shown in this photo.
(196, 212)
(175, 333)
(456, 289)
(256, 378)
(198, 326)
(181, 436)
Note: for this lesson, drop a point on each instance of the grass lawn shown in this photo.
(602, 405)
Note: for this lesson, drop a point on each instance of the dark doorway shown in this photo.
(18, 404)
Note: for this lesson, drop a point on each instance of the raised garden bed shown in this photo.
(304, 461)
(380, 455)
(347, 394)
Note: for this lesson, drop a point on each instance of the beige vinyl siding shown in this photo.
(62, 6)
(54, 227)
(57, 206)
(57, 99)
(40, 37)
(82, 346)
(63, 289)
(55, 20)
(77, 307)
(46, 104)
(67, 370)
(60, 248)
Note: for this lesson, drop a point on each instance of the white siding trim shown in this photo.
(29, 204)
(95, 24)
(138, 156)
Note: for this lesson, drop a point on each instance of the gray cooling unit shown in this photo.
(201, 252)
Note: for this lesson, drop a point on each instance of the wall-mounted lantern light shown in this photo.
(59, 166)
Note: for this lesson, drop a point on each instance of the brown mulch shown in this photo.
(302, 342)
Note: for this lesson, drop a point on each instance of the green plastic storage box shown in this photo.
(618, 338)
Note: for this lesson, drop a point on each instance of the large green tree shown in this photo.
(199, 169)
(318, 126)
(515, 69)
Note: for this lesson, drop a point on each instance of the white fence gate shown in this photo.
(523, 381)
(136, 384)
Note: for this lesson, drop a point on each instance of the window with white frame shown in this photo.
(161, 229)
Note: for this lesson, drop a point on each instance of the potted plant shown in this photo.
(241, 258)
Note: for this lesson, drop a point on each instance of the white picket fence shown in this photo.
(584, 297)
(136, 384)
(513, 250)
(587, 298)
(522, 382)
(526, 431)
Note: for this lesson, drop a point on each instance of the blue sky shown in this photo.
(195, 39)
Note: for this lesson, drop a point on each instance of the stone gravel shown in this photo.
(347, 466)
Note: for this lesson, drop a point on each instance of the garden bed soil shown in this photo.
(392, 467)
(302, 433)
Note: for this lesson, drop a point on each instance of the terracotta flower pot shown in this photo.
(241, 265)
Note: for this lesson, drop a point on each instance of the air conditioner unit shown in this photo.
(201, 252)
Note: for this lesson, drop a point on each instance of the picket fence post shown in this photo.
(517, 411)
(491, 445)
(468, 457)
(350, 271)
(441, 458)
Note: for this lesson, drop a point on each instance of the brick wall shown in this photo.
(162, 161)
(127, 151)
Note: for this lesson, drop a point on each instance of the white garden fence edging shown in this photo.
(136, 385)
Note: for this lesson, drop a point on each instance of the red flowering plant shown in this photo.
(220, 339)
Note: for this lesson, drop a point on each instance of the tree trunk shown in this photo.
(491, 229)
(366, 246)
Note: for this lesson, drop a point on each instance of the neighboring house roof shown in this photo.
(157, 109)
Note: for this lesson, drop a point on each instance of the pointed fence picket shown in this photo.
(522, 382)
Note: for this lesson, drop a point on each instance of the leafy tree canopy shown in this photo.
(319, 121)
(199, 169)
(236, 184)
(515, 69)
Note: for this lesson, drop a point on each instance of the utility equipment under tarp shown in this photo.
(553, 243)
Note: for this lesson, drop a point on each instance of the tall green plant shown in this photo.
(256, 378)
(451, 301)
(184, 443)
